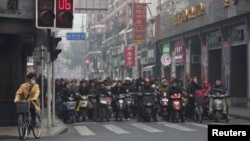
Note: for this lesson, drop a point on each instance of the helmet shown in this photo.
(127, 79)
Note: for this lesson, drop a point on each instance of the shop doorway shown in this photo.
(238, 80)
(214, 65)
(180, 73)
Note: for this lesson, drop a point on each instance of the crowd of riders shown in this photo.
(137, 89)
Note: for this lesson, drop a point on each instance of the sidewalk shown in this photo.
(56, 129)
(239, 112)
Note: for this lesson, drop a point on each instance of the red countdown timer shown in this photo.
(64, 5)
(64, 13)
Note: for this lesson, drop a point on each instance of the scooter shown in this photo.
(217, 114)
(163, 106)
(148, 106)
(120, 105)
(109, 105)
(103, 109)
(176, 106)
(129, 104)
(82, 107)
(70, 113)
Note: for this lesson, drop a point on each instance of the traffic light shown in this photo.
(64, 13)
(55, 52)
(45, 13)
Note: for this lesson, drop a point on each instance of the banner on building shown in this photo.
(139, 22)
(129, 56)
(179, 50)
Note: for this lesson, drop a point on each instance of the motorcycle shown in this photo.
(163, 106)
(176, 107)
(102, 108)
(109, 105)
(93, 106)
(82, 107)
(148, 106)
(217, 114)
(120, 105)
(70, 113)
(129, 104)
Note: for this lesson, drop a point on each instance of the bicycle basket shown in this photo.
(22, 107)
(200, 99)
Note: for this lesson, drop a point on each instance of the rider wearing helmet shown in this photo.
(146, 89)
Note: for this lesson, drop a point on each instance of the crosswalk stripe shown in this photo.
(84, 131)
(197, 124)
(146, 127)
(178, 127)
(116, 129)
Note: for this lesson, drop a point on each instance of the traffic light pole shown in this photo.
(49, 72)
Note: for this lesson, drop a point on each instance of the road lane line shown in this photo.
(146, 127)
(84, 131)
(178, 127)
(116, 129)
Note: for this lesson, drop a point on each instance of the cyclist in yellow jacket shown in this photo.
(29, 91)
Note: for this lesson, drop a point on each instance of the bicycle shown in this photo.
(24, 121)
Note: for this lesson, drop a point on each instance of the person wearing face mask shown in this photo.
(174, 88)
(29, 91)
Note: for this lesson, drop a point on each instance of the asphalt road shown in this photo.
(137, 131)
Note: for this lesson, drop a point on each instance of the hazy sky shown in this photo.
(78, 25)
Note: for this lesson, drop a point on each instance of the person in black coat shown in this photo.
(194, 86)
(115, 91)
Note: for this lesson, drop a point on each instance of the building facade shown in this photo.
(208, 39)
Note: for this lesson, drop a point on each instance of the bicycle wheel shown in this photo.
(36, 127)
(22, 127)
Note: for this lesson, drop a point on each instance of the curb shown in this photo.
(240, 117)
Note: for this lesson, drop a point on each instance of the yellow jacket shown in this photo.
(23, 92)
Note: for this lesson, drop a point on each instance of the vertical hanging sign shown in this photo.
(129, 56)
(139, 22)
(179, 52)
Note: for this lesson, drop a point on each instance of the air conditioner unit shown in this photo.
(196, 59)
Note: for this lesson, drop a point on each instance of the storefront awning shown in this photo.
(148, 68)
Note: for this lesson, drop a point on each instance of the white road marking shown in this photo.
(178, 127)
(197, 124)
(146, 127)
(116, 129)
(84, 131)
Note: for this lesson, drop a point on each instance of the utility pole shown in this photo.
(49, 71)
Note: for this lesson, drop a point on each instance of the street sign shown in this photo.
(166, 60)
(76, 36)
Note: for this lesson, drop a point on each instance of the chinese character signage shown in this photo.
(129, 56)
(139, 22)
(179, 50)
